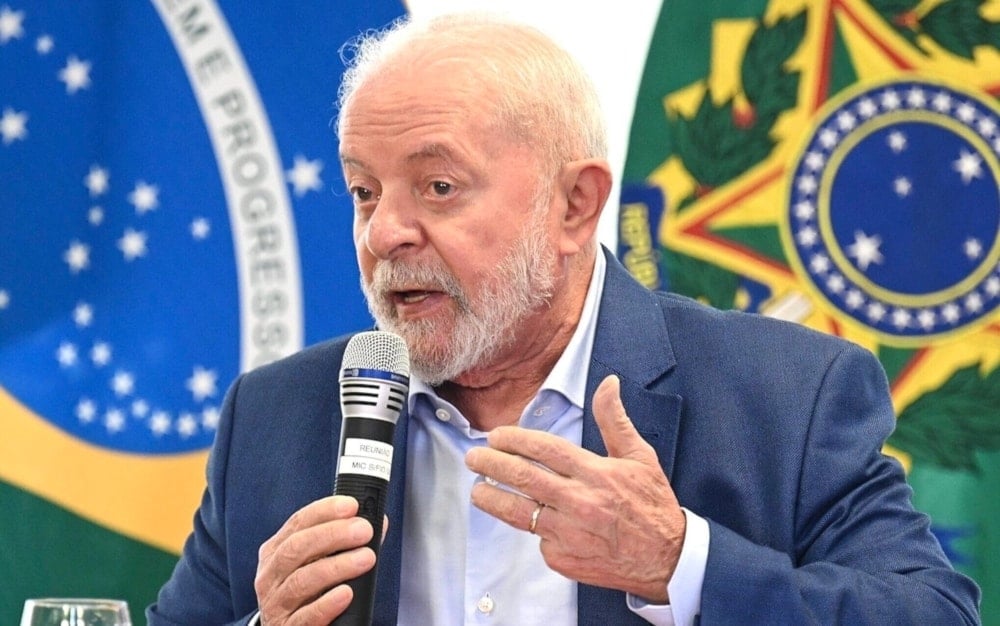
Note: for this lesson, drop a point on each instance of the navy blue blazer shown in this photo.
(769, 430)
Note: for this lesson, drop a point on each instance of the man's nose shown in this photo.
(393, 226)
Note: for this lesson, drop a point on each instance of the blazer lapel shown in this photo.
(631, 342)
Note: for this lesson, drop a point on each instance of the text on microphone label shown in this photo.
(366, 457)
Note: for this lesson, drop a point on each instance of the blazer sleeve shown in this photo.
(862, 554)
(199, 590)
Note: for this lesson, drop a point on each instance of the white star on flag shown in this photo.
(86, 410)
(13, 125)
(897, 141)
(132, 244)
(867, 108)
(865, 249)
(96, 180)
(807, 185)
(202, 383)
(854, 299)
(159, 423)
(95, 215)
(992, 287)
(969, 165)
(973, 303)
(902, 186)
(941, 102)
(927, 319)
(10, 24)
(200, 228)
(144, 197)
(819, 263)
(114, 420)
(805, 210)
(815, 161)
(807, 237)
(83, 315)
(986, 126)
(210, 418)
(100, 354)
(901, 318)
(828, 138)
(66, 354)
(875, 311)
(966, 112)
(44, 44)
(973, 248)
(4, 299)
(304, 175)
(916, 98)
(77, 256)
(846, 121)
(187, 425)
(890, 100)
(76, 74)
(122, 383)
(951, 313)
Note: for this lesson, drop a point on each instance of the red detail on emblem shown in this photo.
(744, 116)
(907, 19)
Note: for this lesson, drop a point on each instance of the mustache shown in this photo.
(391, 276)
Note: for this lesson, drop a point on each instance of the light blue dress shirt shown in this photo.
(463, 566)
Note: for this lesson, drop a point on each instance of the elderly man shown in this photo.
(560, 415)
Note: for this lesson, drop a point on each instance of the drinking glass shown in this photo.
(75, 612)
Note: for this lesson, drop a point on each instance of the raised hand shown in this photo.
(609, 521)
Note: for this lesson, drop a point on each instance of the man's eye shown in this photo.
(362, 194)
(441, 188)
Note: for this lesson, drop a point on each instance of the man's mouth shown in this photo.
(412, 297)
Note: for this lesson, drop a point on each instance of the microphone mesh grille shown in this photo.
(377, 350)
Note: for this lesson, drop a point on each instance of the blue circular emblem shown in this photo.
(894, 209)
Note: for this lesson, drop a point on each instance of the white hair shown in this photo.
(542, 95)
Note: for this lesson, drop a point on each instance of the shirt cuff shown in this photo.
(684, 587)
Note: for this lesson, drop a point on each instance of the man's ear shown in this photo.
(585, 185)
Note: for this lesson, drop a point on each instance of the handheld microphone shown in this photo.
(374, 385)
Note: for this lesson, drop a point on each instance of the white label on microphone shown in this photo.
(367, 457)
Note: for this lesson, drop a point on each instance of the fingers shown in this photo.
(515, 510)
(619, 434)
(539, 450)
(514, 469)
(316, 593)
(302, 567)
(334, 507)
(518, 457)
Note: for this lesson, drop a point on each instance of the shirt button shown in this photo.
(540, 411)
(485, 604)
(442, 415)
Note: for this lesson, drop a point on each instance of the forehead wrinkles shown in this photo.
(426, 84)
(454, 140)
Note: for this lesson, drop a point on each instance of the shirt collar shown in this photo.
(569, 375)
(566, 376)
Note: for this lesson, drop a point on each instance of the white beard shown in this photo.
(484, 323)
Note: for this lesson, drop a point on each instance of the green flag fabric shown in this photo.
(837, 164)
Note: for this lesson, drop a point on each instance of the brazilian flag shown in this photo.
(837, 164)
(172, 213)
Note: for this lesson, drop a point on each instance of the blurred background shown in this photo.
(172, 213)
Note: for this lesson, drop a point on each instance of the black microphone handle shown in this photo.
(371, 493)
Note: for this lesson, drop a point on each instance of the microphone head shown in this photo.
(375, 376)
(377, 350)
